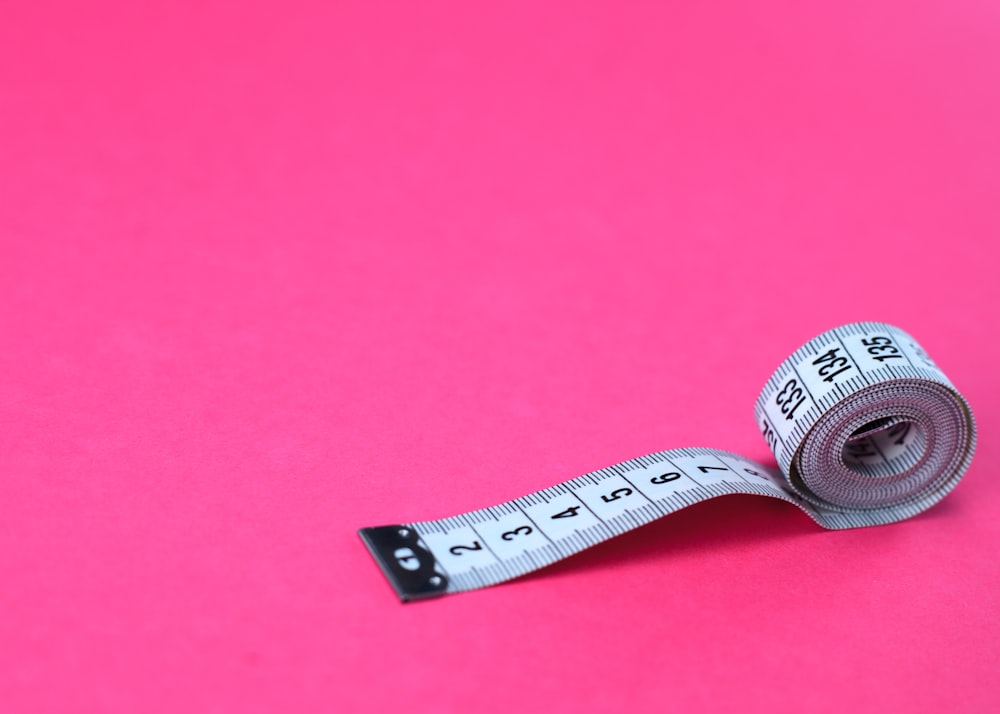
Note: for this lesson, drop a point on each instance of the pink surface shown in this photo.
(273, 272)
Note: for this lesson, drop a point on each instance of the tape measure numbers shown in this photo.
(865, 428)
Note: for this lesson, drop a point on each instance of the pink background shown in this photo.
(271, 272)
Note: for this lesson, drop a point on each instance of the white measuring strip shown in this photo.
(864, 426)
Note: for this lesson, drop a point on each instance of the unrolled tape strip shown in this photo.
(865, 428)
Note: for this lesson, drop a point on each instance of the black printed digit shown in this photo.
(616, 494)
(831, 363)
(790, 398)
(881, 348)
(520, 530)
(770, 435)
(665, 478)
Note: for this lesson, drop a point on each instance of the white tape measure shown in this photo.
(864, 426)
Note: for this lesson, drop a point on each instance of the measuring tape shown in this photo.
(865, 428)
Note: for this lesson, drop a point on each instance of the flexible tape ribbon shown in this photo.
(865, 428)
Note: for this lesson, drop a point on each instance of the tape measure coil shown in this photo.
(865, 428)
(882, 433)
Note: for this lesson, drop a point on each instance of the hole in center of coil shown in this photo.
(884, 447)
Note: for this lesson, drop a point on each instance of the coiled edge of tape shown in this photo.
(913, 394)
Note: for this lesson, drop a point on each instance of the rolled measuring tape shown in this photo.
(865, 428)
